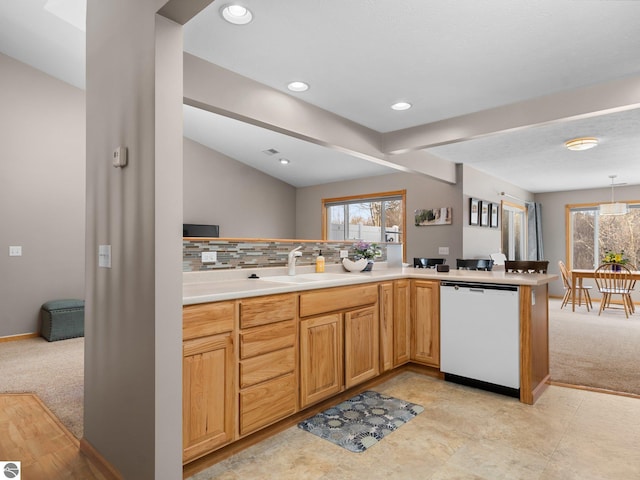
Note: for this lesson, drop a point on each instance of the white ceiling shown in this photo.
(446, 58)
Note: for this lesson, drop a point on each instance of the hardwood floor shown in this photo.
(32, 435)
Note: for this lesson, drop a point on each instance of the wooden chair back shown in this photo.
(613, 278)
(566, 276)
(526, 266)
(474, 264)
(427, 262)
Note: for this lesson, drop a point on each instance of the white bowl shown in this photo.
(356, 266)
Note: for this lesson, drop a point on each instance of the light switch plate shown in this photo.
(209, 257)
(15, 251)
(344, 253)
(443, 250)
(104, 256)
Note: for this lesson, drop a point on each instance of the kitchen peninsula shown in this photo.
(258, 351)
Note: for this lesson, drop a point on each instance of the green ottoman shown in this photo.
(62, 319)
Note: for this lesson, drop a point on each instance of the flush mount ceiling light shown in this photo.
(298, 86)
(284, 161)
(613, 208)
(401, 106)
(582, 143)
(236, 14)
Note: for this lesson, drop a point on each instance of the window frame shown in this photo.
(367, 197)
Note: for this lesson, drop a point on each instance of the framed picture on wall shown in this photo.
(474, 211)
(493, 218)
(484, 214)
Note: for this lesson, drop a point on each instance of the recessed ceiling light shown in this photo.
(298, 86)
(401, 106)
(583, 143)
(236, 14)
(284, 161)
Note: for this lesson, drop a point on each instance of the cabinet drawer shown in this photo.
(268, 338)
(265, 367)
(266, 403)
(264, 310)
(340, 298)
(207, 319)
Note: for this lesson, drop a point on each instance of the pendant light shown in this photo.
(613, 208)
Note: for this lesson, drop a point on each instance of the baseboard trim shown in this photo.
(22, 336)
(105, 467)
(593, 389)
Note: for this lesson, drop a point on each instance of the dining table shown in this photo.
(579, 274)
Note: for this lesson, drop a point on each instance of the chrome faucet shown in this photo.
(291, 260)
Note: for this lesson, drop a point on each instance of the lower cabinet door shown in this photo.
(207, 395)
(361, 345)
(321, 358)
(267, 403)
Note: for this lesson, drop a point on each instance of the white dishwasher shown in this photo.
(480, 335)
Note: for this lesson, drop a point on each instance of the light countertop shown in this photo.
(213, 286)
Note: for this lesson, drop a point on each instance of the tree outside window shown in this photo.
(592, 235)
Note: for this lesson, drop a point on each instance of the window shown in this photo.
(514, 231)
(590, 235)
(378, 217)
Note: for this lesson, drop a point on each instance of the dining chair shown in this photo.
(567, 281)
(427, 262)
(615, 279)
(474, 264)
(526, 266)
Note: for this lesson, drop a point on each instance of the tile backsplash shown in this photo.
(245, 253)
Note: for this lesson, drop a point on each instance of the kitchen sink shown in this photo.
(311, 277)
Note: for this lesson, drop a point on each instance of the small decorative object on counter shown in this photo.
(320, 263)
(354, 266)
(366, 250)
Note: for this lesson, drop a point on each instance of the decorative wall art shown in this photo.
(484, 213)
(433, 216)
(474, 211)
(493, 220)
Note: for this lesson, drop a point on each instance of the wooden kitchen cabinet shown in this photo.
(386, 304)
(395, 330)
(208, 367)
(361, 345)
(401, 322)
(425, 322)
(268, 372)
(321, 358)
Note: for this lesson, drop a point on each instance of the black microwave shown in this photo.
(193, 230)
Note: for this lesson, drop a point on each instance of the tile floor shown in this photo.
(465, 433)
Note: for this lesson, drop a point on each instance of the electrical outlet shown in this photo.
(344, 253)
(443, 250)
(209, 257)
(15, 251)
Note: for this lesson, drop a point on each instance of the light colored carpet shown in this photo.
(585, 349)
(594, 351)
(52, 370)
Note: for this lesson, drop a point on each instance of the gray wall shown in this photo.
(242, 200)
(479, 241)
(133, 384)
(554, 223)
(42, 187)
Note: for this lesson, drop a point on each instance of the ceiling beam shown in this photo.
(585, 102)
(181, 11)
